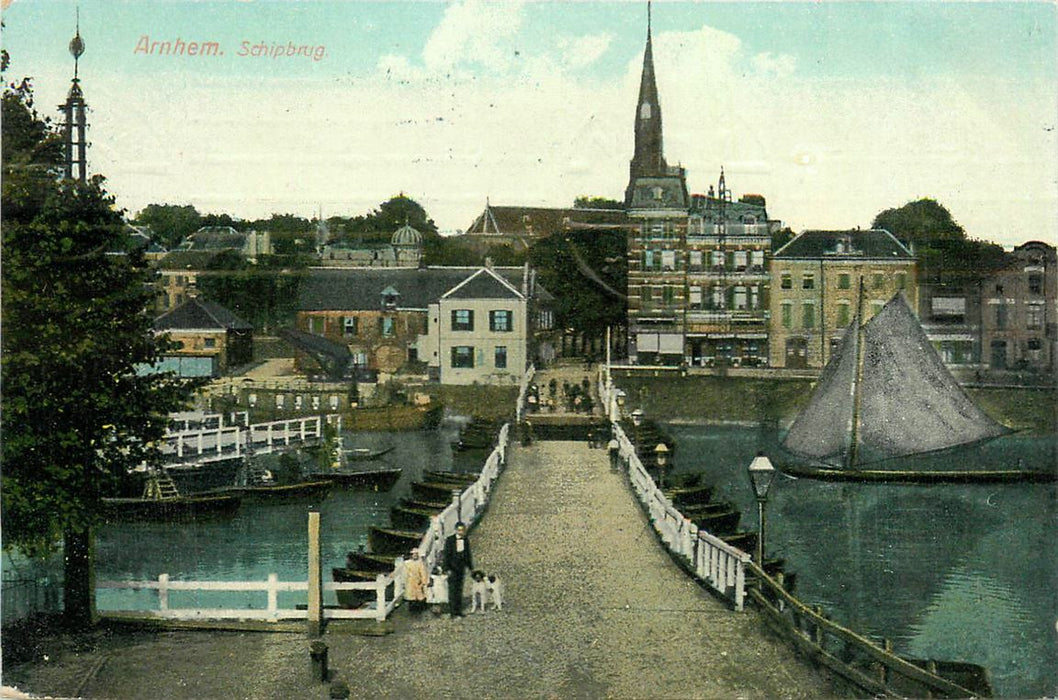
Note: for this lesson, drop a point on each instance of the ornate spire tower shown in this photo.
(74, 122)
(649, 158)
(651, 182)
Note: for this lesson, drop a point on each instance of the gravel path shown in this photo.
(593, 608)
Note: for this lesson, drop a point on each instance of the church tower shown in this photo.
(74, 122)
(652, 183)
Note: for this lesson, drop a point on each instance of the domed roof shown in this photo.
(408, 236)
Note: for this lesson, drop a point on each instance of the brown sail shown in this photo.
(893, 398)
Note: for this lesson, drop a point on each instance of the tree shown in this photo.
(76, 326)
(170, 223)
(589, 202)
(945, 254)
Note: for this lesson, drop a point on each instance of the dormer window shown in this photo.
(390, 298)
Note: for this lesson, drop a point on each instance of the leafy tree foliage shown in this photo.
(588, 202)
(945, 254)
(577, 268)
(170, 223)
(76, 326)
(378, 226)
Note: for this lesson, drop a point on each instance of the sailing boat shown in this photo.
(886, 394)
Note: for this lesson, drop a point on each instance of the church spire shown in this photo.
(74, 122)
(648, 158)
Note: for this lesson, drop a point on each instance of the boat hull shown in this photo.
(410, 518)
(283, 493)
(369, 561)
(398, 542)
(719, 524)
(181, 508)
(361, 480)
(354, 599)
(433, 491)
(690, 495)
(998, 476)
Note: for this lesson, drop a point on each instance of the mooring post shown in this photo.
(318, 658)
(315, 601)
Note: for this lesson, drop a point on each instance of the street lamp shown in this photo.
(761, 475)
(637, 420)
(661, 454)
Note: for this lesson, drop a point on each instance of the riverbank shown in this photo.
(758, 401)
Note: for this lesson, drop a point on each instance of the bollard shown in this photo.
(318, 654)
(339, 691)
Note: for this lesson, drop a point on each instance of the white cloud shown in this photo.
(469, 118)
(580, 52)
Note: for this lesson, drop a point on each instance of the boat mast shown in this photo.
(852, 453)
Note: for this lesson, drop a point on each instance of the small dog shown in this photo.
(494, 589)
(479, 591)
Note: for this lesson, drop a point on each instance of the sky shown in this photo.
(832, 111)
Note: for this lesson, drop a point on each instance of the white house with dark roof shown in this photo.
(478, 332)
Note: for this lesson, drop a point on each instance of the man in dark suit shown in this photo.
(457, 561)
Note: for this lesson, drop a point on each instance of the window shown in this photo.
(756, 259)
(787, 281)
(843, 315)
(741, 259)
(1035, 284)
(843, 280)
(1034, 317)
(808, 281)
(716, 259)
(754, 297)
(279, 400)
(545, 320)
(668, 259)
(901, 280)
(740, 298)
(696, 297)
(349, 325)
(645, 294)
(999, 289)
(1001, 315)
(718, 297)
(501, 357)
(387, 326)
(876, 306)
(696, 260)
(317, 325)
(501, 321)
(644, 110)
(877, 280)
(648, 259)
(462, 319)
(209, 342)
(786, 313)
(463, 356)
(808, 315)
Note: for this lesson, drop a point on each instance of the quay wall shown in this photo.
(776, 401)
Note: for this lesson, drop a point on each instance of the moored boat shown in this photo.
(434, 491)
(689, 495)
(275, 493)
(361, 480)
(436, 506)
(388, 541)
(369, 561)
(699, 510)
(176, 508)
(440, 477)
(364, 454)
(411, 518)
(746, 541)
(354, 598)
(722, 523)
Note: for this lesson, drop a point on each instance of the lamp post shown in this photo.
(637, 420)
(661, 454)
(761, 475)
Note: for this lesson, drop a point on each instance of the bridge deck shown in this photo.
(593, 606)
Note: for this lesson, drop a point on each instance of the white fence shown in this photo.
(226, 442)
(721, 566)
(467, 506)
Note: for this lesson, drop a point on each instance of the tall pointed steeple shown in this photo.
(651, 182)
(74, 121)
(649, 158)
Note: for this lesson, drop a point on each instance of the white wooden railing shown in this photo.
(715, 562)
(237, 440)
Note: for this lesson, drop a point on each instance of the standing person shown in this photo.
(415, 583)
(614, 448)
(457, 560)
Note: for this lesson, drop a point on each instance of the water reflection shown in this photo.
(953, 572)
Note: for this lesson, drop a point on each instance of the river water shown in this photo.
(963, 573)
